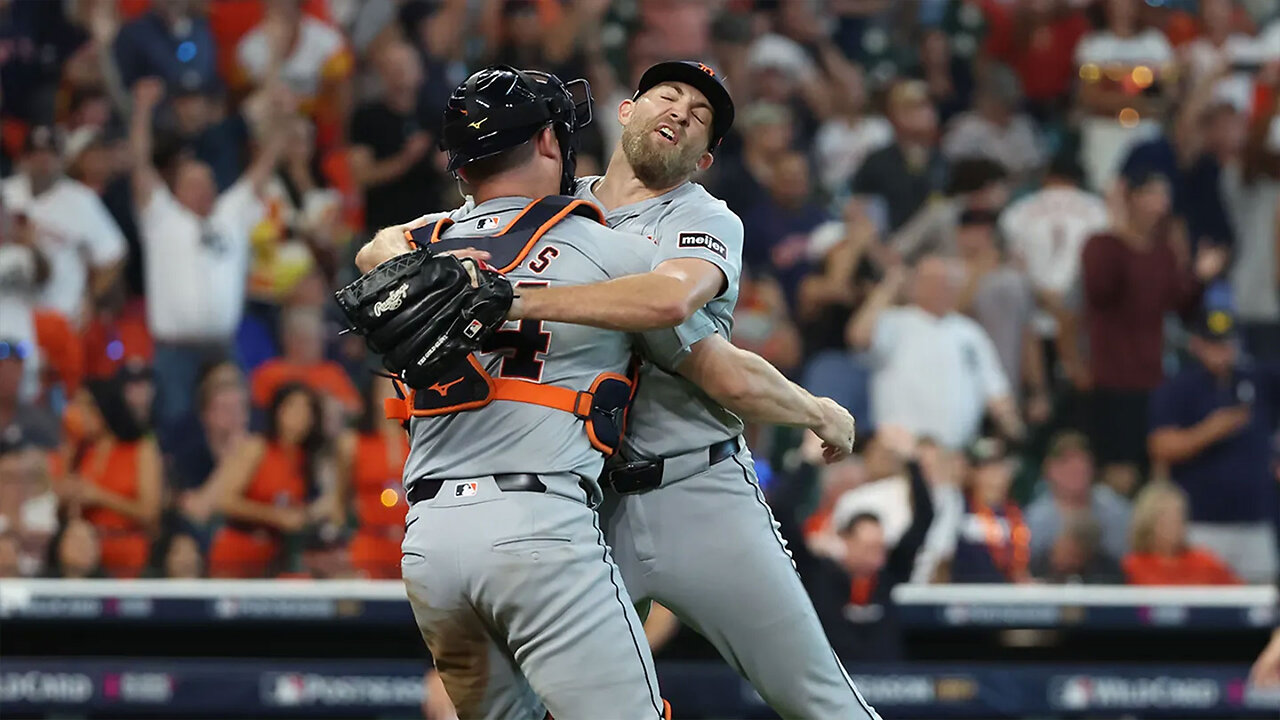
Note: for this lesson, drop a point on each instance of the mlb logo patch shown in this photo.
(488, 223)
(473, 329)
(466, 489)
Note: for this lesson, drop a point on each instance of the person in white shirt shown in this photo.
(846, 138)
(936, 372)
(1046, 232)
(1127, 81)
(196, 246)
(1222, 46)
(75, 232)
(994, 129)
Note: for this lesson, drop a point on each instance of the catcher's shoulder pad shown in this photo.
(508, 247)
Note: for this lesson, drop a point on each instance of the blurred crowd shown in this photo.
(1030, 244)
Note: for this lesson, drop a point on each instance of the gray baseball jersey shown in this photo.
(705, 543)
(514, 589)
(533, 438)
(671, 415)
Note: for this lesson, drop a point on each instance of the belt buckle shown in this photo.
(635, 476)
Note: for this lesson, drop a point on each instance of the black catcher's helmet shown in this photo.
(501, 107)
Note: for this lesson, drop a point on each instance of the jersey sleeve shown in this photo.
(668, 347)
(690, 231)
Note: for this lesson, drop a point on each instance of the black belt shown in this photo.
(641, 475)
(423, 489)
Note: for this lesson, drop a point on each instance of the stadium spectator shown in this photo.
(28, 507)
(762, 322)
(998, 295)
(325, 555)
(310, 56)
(74, 553)
(1132, 275)
(117, 482)
(23, 269)
(1160, 553)
(303, 339)
(936, 372)
(392, 144)
(1251, 189)
(1076, 555)
(266, 488)
(61, 351)
(302, 223)
(75, 233)
(139, 389)
(974, 184)
(215, 139)
(218, 430)
(853, 132)
(777, 227)
(768, 131)
(905, 173)
(171, 41)
(181, 557)
(37, 424)
(1069, 489)
(1127, 78)
(843, 274)
(1212, 425)
(948, 77)
(1038, 40)
(196, 247)
(995, 129)
(1223, 46)
(1046, 232)
(370, 463)
(994, 543)
(852, 591)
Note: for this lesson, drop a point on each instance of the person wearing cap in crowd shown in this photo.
(1132, 275)
(995, 129)
(75, 233)
(907, 172)
(1077, 556)
(994, 542)
(1211, 426)
(1069, 488)
(852, 591)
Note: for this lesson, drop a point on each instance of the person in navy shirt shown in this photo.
(171, 42)
(1212, 425)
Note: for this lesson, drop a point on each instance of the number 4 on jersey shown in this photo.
(522, 346)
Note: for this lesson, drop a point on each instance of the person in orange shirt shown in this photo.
(1159, 552)
(117, 480)
(303, 336)
(263, 488)
(370, 464)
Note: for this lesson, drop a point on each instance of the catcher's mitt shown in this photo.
(424, 313)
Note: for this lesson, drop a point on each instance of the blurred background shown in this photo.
(1033, 243)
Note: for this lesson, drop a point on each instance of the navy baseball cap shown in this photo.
(705, 79)
(1214, 325)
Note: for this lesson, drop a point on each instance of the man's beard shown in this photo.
(652, 165)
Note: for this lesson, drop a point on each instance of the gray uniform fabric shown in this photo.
(515, 592)
(705, 543)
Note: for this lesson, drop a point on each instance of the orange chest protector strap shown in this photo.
(602, 407)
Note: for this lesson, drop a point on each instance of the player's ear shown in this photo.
(546, 144)
(704, 162)
(625, 109)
